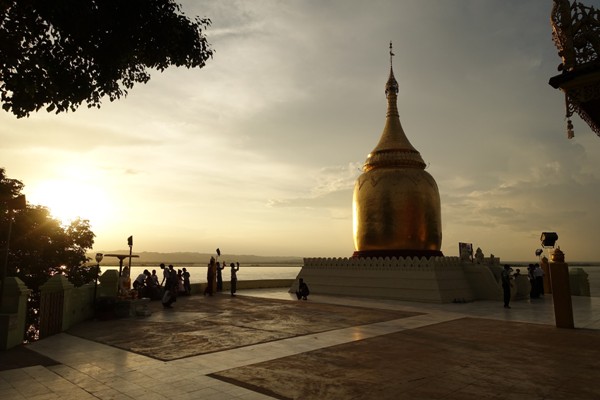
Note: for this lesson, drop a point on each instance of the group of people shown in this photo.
(535, 274)
(214, 277)
(174, 283)
(177, 282)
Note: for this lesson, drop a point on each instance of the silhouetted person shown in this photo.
(506, 284)
(165, 274)
(534, 292)
(538, 274)
(153, 286)
(140, 281)
(210, 277)
(155, 278)
(302, 292)
(220, 276)
(187, 286)
(170, 295)
(234, 271)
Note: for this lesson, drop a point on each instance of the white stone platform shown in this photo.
(433, 280)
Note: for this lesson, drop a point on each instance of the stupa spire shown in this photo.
(392, 85)
(394, 148)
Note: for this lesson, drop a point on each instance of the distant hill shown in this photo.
(148, 257)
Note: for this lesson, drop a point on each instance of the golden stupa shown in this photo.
(396, 203)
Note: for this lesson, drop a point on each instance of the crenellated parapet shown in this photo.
(434, 279)
(382, 262)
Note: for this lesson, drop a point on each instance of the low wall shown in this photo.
(434, 280)
(13, 313)
(198, 288)
(63, 305)
(483, 281)
(579, 282)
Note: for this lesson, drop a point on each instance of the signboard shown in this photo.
(465, 251)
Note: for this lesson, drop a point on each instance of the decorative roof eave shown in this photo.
(576, 34)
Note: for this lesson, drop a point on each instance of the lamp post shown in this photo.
(130, 244)
(99, 257)
(12, 204)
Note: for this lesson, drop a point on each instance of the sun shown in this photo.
(68, 200)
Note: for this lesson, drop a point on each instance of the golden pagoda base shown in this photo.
(430, 280)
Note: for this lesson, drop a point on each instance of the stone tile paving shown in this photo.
(20, 357)
(469, 358)
(199, 325)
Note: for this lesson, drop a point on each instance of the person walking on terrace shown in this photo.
(506, 284)
(234, 270)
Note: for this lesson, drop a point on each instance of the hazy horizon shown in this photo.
(177, 256)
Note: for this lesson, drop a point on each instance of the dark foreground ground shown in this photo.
(464, 358)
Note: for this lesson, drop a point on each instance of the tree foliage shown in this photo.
(40, 246)
(60, 53)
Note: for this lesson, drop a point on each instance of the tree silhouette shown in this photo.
(40, 247)
(60, 53)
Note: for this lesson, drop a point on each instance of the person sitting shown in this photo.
(153, 290)
(124, 283)
(302, 292)
(141, 284)
(139, 281)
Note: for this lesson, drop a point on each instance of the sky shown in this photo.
(258, 152)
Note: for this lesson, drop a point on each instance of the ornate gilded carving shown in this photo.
(576, 34)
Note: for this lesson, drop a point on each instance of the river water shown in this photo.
(198, 271)
(290, 271)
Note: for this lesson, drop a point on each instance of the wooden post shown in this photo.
(561, 290)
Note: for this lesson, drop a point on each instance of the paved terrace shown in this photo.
(263, 344)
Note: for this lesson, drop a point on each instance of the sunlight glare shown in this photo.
(68, 201)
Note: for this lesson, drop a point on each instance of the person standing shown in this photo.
(538, 274)
(506, 284)
(154, 278)
(533, 293)
(170, 295)
(234, 270)
(210, 277)
(187, 286)
(165, 272)
(220, 276)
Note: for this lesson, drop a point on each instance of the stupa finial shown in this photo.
(391, 86)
